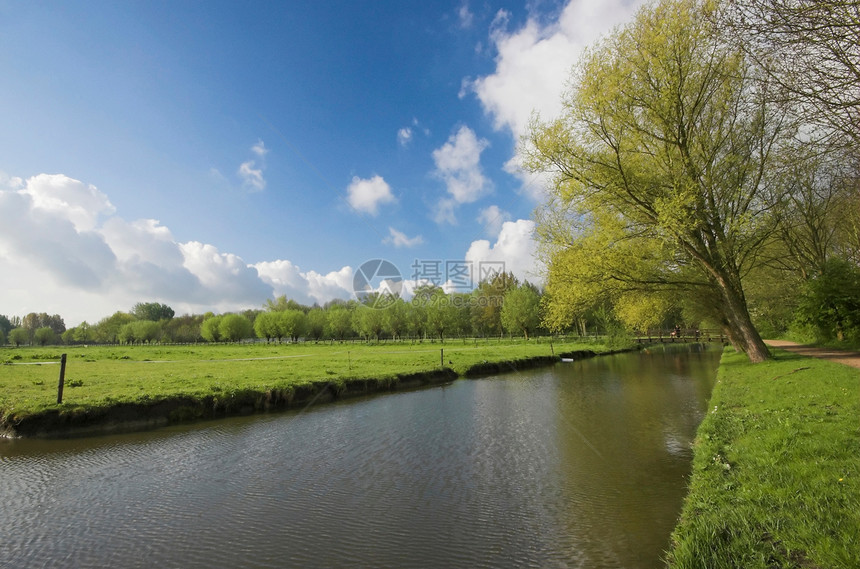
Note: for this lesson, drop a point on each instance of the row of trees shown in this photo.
(35, 328)
(706, 160)
(498, 305)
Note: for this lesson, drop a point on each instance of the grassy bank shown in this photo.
(204, 380)
(776, 473)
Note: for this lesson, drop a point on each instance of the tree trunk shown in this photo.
(740, 323)
(729, 332)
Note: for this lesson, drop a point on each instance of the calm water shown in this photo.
(579, 465)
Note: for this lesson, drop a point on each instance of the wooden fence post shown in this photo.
(62, 379)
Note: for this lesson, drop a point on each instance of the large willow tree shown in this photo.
(668, 141)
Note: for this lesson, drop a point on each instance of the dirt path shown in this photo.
(839, 356)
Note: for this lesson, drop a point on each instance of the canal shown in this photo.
(583, 464)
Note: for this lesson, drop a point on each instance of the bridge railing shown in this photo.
(681, 335)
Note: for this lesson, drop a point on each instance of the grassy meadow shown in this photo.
(102, 376)
(776, 472)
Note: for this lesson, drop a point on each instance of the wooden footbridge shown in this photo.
(680, 336)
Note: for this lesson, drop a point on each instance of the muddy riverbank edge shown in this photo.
(129, 417)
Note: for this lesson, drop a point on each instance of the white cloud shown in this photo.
(465, 16)
(58, 255)
(81, 203)
(534, 62)
(404, 136)
(305, 287)
(458, 163)
(443, 212)
(533, 65)
(492, 219)
(48, 240)
(366, 195)
(225, 278)
(251, 175)
(399, 239)
(515, 250)
(252, 178)
(260, 149)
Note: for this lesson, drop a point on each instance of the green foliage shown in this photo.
(397, 318)
(292, 322)
(339, 322)
(107, 329)
(368, 322)
(33, 322)
(140, 332)
(442, 316)
(210, 329)
(665, 145)
(83, 333)
(19, 336)
(776, 471)
(287, 323)
(44, 336)
(316, 323)
(5, 324)
(520, 311)
(183, 329)
(830, 303)
(283, 303)
(152, 311)
(266, 326)
(488, 297)
(772, 295)
(234, 327)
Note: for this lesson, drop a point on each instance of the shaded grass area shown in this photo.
(204, 379)
(776, 471)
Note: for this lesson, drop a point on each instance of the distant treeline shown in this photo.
(499, 305)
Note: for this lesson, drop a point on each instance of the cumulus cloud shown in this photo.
(492, 218)
(399, 239)
(306, 287)
(534, 62)
(81, 203)
(49, 221)
(63, 250)
(458, 164)
(366, 195)
(225, 278)
(515, 250)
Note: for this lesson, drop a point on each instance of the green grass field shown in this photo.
(99, 377)
(776, 473)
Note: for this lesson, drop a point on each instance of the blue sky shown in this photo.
(211, 155)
